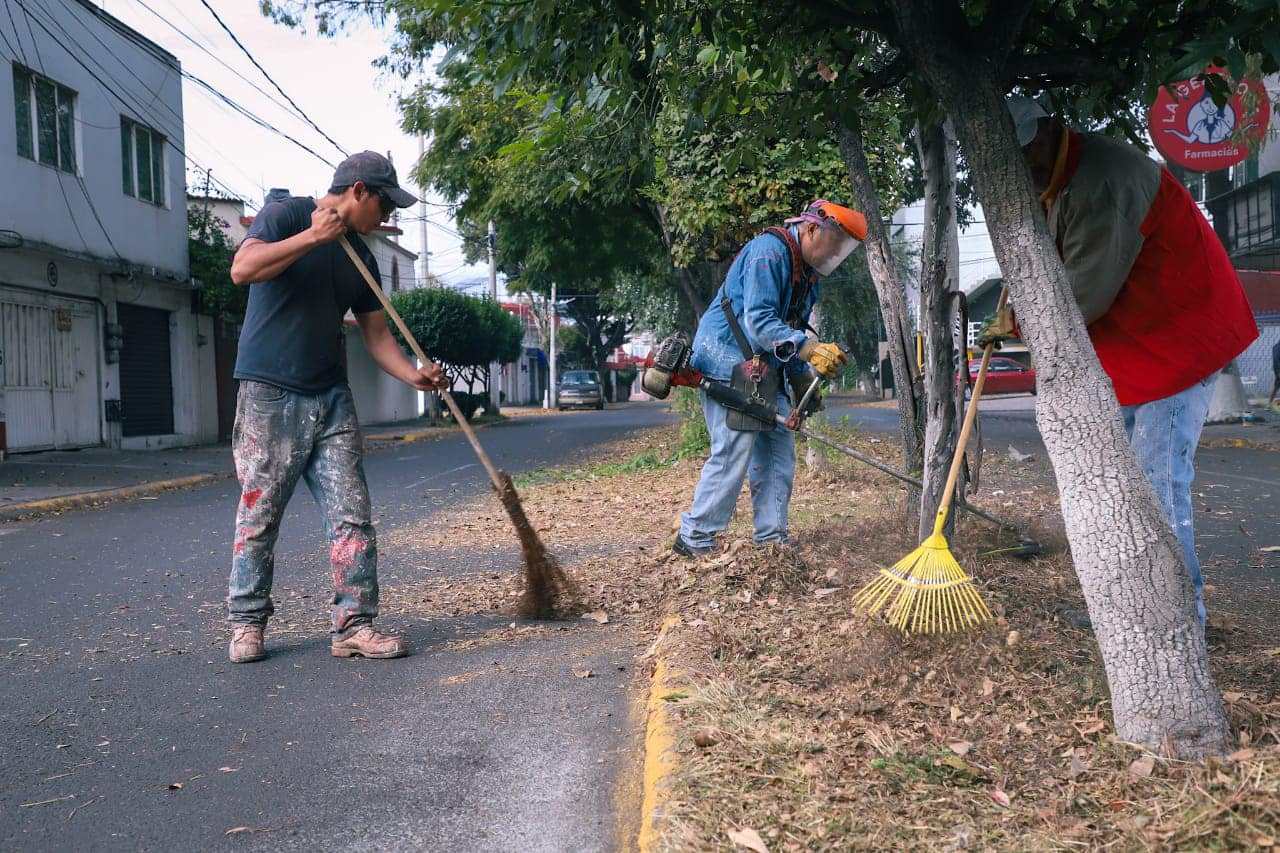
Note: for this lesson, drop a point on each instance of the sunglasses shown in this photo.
(385, 204)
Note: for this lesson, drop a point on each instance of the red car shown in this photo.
(1004, 376)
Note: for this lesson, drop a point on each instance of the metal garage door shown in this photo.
(49, 371)
(146, 378)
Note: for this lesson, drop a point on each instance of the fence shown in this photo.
(1255, 362)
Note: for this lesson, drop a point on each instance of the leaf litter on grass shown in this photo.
(816, 728)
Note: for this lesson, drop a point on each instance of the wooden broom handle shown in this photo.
(417, 350)
(969, 416)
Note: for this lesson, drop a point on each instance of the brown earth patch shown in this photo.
(818, 728)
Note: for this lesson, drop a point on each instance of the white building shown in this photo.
(99, 342)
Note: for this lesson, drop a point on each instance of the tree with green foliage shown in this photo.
(461, 333)
(210, 251)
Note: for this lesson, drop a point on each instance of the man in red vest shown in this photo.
(1164, 307)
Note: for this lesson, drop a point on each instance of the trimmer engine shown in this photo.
(668, 365)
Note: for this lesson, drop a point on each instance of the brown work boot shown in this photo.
(246, 644)
(369, 642)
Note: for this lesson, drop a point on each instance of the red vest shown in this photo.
(1181, 314)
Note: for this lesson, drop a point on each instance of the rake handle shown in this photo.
(417, 350)
(969, 417)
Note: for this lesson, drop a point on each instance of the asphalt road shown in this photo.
(124, 727)
(1236, 493)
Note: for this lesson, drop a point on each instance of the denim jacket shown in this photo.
(759, 287)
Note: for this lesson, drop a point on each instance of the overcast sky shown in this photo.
(332, 79)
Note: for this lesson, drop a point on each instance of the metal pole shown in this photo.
(495, 369)
(422, 224)
(551, 356)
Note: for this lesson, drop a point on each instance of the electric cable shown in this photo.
(215, 57)
(35, 47)
(114, 91)
(257, 65)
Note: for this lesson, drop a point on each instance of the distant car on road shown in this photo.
(581, 388)
(1004, 376)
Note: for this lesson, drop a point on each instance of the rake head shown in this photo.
(926, 592)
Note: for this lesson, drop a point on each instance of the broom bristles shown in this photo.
(926, 592)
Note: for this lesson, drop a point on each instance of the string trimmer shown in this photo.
(546, 587)
(668, 367)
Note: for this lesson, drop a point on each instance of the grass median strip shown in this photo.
(803, 726)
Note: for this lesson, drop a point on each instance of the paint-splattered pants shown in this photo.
(278, 437)
(1164, 434)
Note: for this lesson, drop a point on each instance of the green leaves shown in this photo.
(458, 330)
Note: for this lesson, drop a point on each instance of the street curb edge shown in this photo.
(659, 743)
(45, 506)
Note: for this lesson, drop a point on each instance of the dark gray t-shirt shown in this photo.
(292, 335)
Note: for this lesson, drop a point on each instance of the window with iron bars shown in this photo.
(44, 116)
(141, 161)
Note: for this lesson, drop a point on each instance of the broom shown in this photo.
(927, 591)
(547, 589)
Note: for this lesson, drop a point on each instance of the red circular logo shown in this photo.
(1191, 130)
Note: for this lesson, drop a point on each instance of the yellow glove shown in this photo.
(826, 358)
(1000, 326)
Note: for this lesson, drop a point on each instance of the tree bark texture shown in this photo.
(1126, 555)
(893, 303)
(939, 283)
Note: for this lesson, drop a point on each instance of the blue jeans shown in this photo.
(1164, 434)
(769, 456)
(278, 437)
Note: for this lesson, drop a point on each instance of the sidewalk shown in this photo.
(40, 483)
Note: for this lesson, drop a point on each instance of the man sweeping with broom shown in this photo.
(295, 417)
(754, 332)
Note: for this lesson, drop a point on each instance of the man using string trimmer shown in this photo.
(752, 335)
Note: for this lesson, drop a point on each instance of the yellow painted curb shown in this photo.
(659, 743)
(86, 499)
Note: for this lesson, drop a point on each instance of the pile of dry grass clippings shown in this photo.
(807, 727)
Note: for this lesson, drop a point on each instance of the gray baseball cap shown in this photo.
(375, 172)
(1026, 114)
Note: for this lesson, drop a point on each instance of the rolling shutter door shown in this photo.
(146, 378)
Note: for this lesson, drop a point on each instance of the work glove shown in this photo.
(826, 358)
(800, 383)
(998, 327)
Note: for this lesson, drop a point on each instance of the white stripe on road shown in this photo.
(441, 474)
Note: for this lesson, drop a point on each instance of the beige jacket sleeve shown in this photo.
(1097, 220)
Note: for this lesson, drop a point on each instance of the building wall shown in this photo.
(85, 247)
(121, 74)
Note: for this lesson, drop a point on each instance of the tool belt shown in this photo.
(753, 376)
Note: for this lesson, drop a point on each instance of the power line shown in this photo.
(213, 56)
(57, 168)
(261, 122)
(114, 89)
(256, 64)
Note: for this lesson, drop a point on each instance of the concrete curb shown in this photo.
(45, 506)
(82, 500)
(659, 744)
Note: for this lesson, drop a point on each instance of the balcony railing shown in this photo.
(1247, 219)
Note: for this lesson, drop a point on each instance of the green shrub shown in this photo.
(694, 439)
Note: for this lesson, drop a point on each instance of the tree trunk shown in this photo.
(939, 282)
(893, 303)
(1126, 555)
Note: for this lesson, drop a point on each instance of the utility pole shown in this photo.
(495, 369)
(422, 224)
(551, 356)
